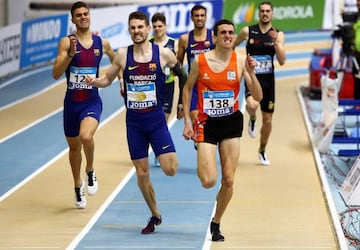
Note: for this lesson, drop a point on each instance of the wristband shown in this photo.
(69, 56)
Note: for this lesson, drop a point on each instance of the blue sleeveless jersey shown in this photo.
(144, 82)
(85, 62)
(145, 118)
(198, 47)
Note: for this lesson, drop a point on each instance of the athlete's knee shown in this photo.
(208, 182)
(170, 170)
(267, 120)
(75, 150)
(74, 143)
(252, 105)
(168, 163)
(86, 138)
(227, 182)
(143, 177)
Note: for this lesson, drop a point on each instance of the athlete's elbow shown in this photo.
(258, 97)
(282, 62)
(187, 89)
(55, 75)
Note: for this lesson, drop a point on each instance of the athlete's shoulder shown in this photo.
(122, 51)
(276, 29)
(97, 37)
(240, 57)
(184, 36)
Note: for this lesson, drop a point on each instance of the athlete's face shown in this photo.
(225, 36)
(138, 30)
(265, 14)
(199, 18)
(159, 29)
(81, 18)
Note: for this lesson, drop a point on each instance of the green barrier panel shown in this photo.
(289, 15)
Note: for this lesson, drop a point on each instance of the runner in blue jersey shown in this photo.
(80, 54)
(197, 41)
(143, 67)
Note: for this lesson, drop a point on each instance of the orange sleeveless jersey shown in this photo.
(225, 85)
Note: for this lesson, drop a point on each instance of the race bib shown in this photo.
(141, 96)
(77, 77)
(263, 64)
(218, 103)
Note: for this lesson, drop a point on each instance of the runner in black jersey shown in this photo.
(161, 38)
(263, 43)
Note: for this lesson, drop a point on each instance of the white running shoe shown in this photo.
(92, 184)
(252, 128)
(263, 159)
(80, 200)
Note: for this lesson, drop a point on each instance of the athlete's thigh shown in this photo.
(92, 109)
(229, 151)
(168, 162)
(268, 102)
(160, 139)
(90, 117)
(88, 126)
(71, 120)
(206, 160)
(137, 143)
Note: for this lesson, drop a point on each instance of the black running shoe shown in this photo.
(153, 222)
(215, 232)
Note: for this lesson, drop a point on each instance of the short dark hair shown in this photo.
(266, 3)
(140, 16)
(158, 17)
(221, 22)
(197, 7)
(78, 5)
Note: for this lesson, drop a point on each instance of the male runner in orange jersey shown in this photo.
(217, 75)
